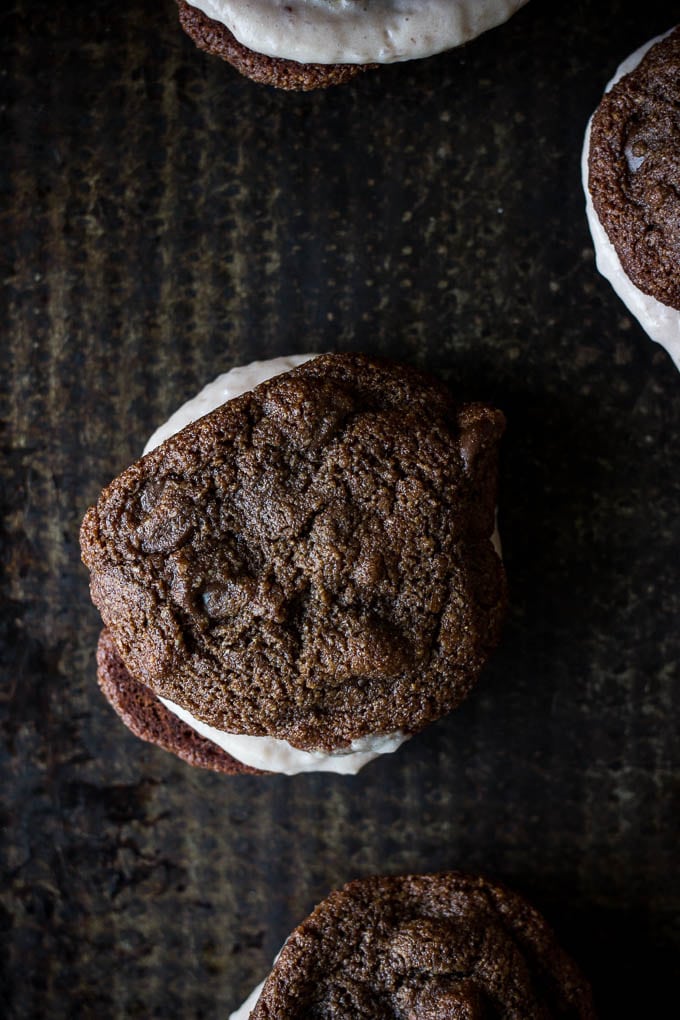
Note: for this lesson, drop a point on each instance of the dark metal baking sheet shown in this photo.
(164, 219)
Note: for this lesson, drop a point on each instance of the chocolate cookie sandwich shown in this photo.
(422, 947)
(631, 177)
(304, 576)
(311, 44)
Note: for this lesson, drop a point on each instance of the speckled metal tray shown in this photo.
(163, 220)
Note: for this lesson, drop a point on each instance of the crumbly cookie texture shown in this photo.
(312, 561)
(634, 170)
(426, 947)
(215, 38)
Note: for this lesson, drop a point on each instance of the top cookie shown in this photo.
(634, 170)
(427, 947)
(311, 561)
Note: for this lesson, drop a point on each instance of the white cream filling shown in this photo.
(273, 755)
(356, 31)
(267, 753)
(660, 321)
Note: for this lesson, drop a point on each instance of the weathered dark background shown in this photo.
(164, 220)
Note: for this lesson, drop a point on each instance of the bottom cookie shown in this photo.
(215, 38)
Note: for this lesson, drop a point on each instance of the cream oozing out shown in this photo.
(273, 755)
(356, 31)
(661, 322)
(266, 753)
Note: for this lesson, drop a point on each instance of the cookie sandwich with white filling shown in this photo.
(304, 576)
(310, 44)
(446, 946)
(631, 177)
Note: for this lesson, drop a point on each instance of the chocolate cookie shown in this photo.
(311, 561)
(634, 170)
(424, 947)
(215, 38)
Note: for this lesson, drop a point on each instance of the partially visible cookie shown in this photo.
(631, 169)
(447, 946)
(311, 44)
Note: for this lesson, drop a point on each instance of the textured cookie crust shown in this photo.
(634, 170)
(216, 38)
(143, 713)
(426, 947)
(312, 560)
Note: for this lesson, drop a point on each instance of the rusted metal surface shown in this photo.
(163, 220)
